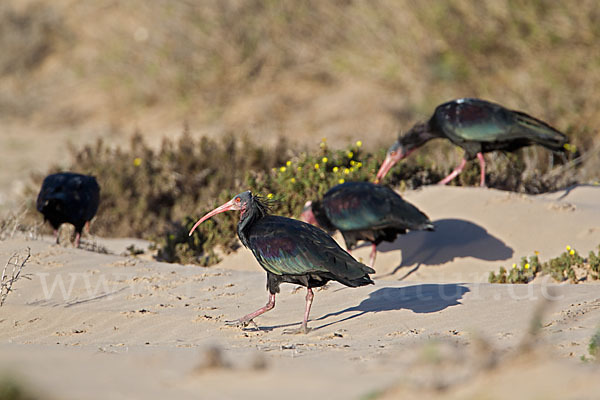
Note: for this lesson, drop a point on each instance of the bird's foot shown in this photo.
(243, 323)
(303, 330)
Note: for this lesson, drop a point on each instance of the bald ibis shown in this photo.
(365, 211)
(478, 126)
(290, 251)
(67, 197)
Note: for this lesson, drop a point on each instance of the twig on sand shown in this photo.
(17, 262)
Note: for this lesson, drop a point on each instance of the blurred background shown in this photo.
(347, 70)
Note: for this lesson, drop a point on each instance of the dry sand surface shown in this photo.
(109, 326)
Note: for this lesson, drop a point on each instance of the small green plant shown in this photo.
(594, 346)
(594, 261)
(560, 268)
(12, 389)
(522, 273)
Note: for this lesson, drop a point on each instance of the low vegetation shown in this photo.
(11, 273)
(568, 266)
(594, 346)
(159, 194)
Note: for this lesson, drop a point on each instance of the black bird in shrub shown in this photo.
(71, 198)
(290, 251)
(478, 126)
(365, 211)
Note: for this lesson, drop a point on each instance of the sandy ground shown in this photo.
(91, 325)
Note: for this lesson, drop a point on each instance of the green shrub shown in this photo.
(560, 268)
(289, 185)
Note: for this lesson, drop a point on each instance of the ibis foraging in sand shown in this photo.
(365, 211)
(290, 251)
(67, 197)
(478, 126)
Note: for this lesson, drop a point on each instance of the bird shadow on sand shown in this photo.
(420, 299)
(453, 238)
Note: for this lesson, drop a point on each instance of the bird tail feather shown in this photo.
(541, 133)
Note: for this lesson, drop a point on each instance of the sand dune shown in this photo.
(90, 325)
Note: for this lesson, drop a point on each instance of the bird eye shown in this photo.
(393, 153)
(237, 200)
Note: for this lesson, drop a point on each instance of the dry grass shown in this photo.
(345, 68)
(12, 273)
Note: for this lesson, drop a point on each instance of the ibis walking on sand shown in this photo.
(67, 197)
(290, 251)
(365, 211)
(478, 126)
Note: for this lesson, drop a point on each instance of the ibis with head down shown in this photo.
(478, 126)
(365, 211)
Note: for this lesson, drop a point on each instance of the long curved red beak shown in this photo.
(388, 163)
(230, 205)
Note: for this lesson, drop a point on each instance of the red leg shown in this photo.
(87, 227)
(482, 164)
(246, 319)
(454, 173)
(304, 327)
(77, 238)
(373, 255)
(56, 235)
(309, 300)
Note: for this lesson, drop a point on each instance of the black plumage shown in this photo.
(365, 211)
(290, 251)
(478, 126)
(67, 197)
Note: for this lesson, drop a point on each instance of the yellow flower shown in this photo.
(288, 163)
(346, 171)
(335, 169)
(350, 154)
(514, 266)
(317, 166)
(137, 162)
(352, 162)
(299, 168)
(358, 143)
(270, 196)
(324, 139)
(341, 180)
(537, 253)
(282, 169)
(293, 180)
(572, 252)
(568, 248)
(324, 159)
(570, 147)
(527, 266)
(358, 164)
